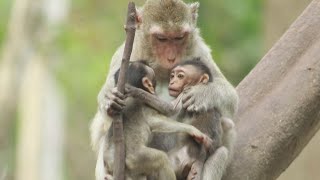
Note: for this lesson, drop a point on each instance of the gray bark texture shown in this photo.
(279, 110)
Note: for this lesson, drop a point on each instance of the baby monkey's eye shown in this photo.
(180, 76)
(171, 76)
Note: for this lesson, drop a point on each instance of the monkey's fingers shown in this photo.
(115, 99)
(115, 106)
(119, 102)
(197, 108)
(112, 112)
(187, 89)
(193, 174)
(187, 101)
(131, 91)
(186, 97)
(192, 108)
(198, 137)
(113, 95)
(118, 94)
(208, 144)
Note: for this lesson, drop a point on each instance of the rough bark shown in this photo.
(119, 153)
(279, 102)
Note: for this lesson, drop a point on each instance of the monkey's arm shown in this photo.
(217, 94)
(151, 100)
(160, 123)
(101, 122)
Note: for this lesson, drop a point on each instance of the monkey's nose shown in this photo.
(171, 60)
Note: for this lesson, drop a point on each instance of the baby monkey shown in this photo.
(188, 157)
(139, 121)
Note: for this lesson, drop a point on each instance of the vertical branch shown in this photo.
(119, 154)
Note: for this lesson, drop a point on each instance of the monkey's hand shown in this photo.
(108, 177)
(196, 98)
(217, 94)
(115, 102)
(203, 139)
(135, 92)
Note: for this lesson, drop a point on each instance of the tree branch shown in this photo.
(119, 152)
(279, 103)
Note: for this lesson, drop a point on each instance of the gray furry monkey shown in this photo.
(139, 121)
(187, 156)
(166, 35)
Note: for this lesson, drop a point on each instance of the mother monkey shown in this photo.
(167, 34)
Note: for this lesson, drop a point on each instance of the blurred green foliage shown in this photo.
(4, 18)
(93, 31)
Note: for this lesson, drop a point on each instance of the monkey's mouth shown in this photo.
(173, 92)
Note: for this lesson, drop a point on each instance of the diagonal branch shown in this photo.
(280, 103)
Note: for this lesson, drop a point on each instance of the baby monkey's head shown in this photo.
(186, 74)
(140, 75)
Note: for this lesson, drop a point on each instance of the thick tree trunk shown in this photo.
(280, 103)
(278, 15)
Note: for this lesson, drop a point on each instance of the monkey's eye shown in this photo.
(180, 76)
(179, 38)
(161, 38)
(171, 76)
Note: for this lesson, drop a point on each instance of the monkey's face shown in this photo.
(182, 77)
(168, 26)
(169, 47)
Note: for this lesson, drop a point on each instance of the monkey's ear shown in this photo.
(148, 85)
(194, 7)
(139, 15)
(204, 79)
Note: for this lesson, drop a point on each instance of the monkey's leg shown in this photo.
(147, 161)
(216, 164)
(101, 171)
(196, 170)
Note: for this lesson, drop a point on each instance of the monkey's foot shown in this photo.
(108, 177)
(194, 173)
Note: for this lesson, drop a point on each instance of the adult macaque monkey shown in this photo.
(167, 34)
(139, 121)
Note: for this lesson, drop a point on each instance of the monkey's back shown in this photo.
(135, 125)
(137, 131)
